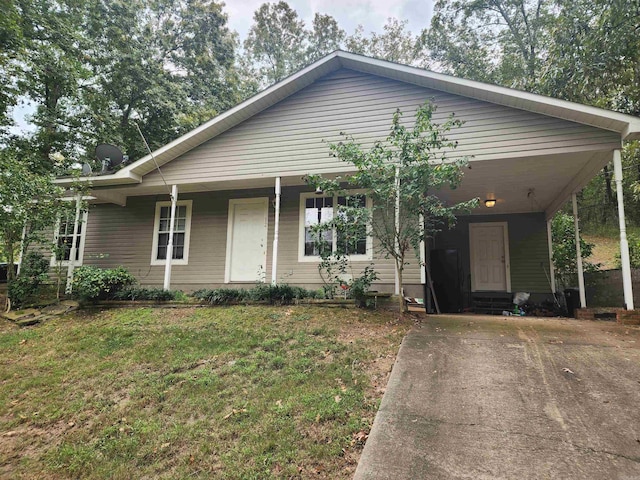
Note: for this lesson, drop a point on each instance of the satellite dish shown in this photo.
(109, 155)
(86, 169)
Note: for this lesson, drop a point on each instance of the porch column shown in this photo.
(624, 245)
(397, 226)
(583, 297)
(21, 254)
(552, 268)
(276, 232)
(74, 248)
(172, 221)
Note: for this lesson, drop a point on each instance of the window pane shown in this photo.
(352, 240)
(180, 225)
(64, 246)
(164, 212)
(181, 211)
(317, 210)
(163, 239)
(178, 239)
(178, 252)
(162, 252)
(164, 225)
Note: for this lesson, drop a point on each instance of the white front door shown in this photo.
(247, 240)
(489, 245)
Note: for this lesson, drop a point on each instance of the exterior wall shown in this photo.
(124, 236)
(528, 251)
(287, 139)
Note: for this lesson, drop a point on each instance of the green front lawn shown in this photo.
(238, 392)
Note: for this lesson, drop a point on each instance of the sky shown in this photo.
(372, 15)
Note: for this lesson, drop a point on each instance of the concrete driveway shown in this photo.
(515, 398)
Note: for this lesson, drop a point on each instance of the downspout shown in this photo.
(276, 232)
(169, 256)
(624, 244)
(74, 248)
(583, 296)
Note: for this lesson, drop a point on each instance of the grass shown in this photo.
(233, 393)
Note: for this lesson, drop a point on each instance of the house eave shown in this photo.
(121, 177)
(627, 126)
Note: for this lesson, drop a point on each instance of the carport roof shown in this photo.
(627, 126)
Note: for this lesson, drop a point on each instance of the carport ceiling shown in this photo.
(531, 184)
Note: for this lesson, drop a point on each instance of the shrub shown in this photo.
(93, 283)
(360, 286)
(32, 273)
(273, 294)
(142, 293)
(279, 294)
(221, 296)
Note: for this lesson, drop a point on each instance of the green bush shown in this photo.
(32, 273)
(142, 293)
(273, 294)
(360, 286)
(93, 283)
(222, 296)
(279, 294)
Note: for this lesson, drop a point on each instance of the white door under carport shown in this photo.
(489, 255)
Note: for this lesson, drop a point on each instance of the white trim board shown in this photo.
(507, 259)
(263, 201)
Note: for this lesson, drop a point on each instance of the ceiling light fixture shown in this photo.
(490, 202)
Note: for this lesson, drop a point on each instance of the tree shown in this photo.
(30, 206)
(403, 174)
(500, 41)
(11, 42)
(593, 57)
(276, 43)
(167, 65)
(395, 44)
(564, 251)
(325, 37)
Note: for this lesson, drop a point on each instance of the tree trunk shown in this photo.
(401, 303)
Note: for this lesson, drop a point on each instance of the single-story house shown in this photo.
(243, 207)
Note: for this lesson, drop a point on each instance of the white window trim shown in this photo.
(187, 234)
(84, 215)
(507, 258)
(316, 258)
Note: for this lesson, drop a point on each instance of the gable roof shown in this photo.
(627, 126)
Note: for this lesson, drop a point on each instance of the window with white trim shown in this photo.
(317, 209)
(181, 233)
(64, 239)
